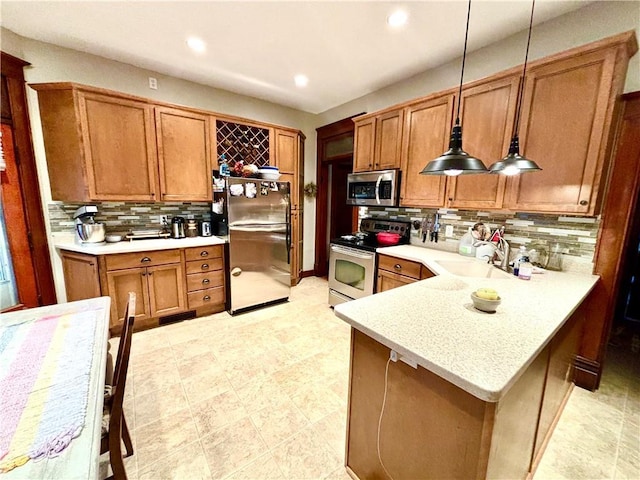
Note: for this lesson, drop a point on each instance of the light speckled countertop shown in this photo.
(67, 242)
(433, 323)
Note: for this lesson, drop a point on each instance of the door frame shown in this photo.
(12, 70)
(333, 131)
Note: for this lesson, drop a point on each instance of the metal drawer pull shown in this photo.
(206, 298)
(204, 253)
(204, 266)
(397, 266)
(205, 281)
(145, 260)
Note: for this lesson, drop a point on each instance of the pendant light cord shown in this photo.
(516, 129)
(464, 58)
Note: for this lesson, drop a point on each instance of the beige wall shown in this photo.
(51, 63)
(593, 22)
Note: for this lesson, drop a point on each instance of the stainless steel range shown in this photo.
(352, 259)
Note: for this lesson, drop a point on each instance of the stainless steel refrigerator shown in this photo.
(259, 219)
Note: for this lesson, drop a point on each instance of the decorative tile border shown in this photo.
(120, 217)
(577, 236)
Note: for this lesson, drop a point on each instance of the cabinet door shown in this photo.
(388, 146)
(363, 145)
(119, 147)
(426, 136)
(166, 289)
(81, 279)
(184, 155)
(120, 283)
(388, 280)
(287, 151)
(566, 114)
(487, 115)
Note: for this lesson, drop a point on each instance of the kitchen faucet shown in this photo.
(501, 249)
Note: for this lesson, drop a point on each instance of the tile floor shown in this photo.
(263, 395)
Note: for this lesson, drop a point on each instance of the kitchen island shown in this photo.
(479, 393)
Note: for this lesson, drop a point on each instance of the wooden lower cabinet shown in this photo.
(164, 283)
(395, 272)
(80, 276)
(433, 429)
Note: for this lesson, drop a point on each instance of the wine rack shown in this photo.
(245, 143)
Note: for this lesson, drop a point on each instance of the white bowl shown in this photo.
(483, 304)
(269, 175)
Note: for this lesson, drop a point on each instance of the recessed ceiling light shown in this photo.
(301, 80)
(196, 44)
(397, 19)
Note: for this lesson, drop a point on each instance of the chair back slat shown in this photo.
(119, 382)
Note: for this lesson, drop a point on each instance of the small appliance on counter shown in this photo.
(88, 231)
(177, 227)
(192, 228)
(204, 228)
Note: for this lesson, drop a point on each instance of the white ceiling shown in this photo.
(255, 48)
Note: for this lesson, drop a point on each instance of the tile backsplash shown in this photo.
(576, 235)
(120, 217)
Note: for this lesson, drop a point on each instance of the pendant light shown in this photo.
(456, 161)
(514, 163)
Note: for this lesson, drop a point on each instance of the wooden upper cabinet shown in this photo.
(486, 114)
(566, 117)
(287, 156)
(388, 145)
(363, 144)
(98, 147)
(184, 155)
(427, 126)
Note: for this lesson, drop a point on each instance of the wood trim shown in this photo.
(341, 127)
(307, 273)
(12, 69)
(618, 211)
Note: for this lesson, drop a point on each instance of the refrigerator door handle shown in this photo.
(288, 233)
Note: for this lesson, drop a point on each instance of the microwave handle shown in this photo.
(378, 189)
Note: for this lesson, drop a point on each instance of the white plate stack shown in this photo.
(269, 173)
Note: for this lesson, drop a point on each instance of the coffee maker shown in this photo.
(177, 227)
(88, 231)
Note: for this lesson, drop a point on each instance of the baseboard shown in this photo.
(587, 373)
(307, 273)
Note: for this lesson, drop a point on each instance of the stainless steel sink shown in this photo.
(472, 268)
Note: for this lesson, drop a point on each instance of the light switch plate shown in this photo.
(448, 231)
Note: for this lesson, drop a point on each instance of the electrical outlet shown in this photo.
(393, 355)
(164, 219)
(448, 231)
(153, 83)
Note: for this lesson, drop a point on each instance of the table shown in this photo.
(80, 459)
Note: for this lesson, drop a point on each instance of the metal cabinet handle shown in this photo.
(204, 266)
(206, 298)
(206, 281)
(144, 274)
(397, 266)
(583, 202)
(204, 253)
(145, 260)
(150, 273)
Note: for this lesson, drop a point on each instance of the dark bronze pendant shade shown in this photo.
(514, 163)
(456, 161)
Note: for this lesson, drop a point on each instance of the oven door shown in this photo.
(351, 271)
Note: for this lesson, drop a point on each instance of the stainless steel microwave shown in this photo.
(378, 188)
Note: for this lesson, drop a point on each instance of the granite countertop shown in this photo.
(433, 323)
(67, 242)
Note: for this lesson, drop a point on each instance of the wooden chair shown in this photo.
(117, 430)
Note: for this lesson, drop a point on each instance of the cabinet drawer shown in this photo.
(142, 259)
(204, 265)
(210, 296)
(201, 253)
(400, 266)
(200, 281)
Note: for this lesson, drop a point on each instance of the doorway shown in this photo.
(26, 278)
(335, 162)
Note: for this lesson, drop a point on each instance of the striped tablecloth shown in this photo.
(45, 365)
